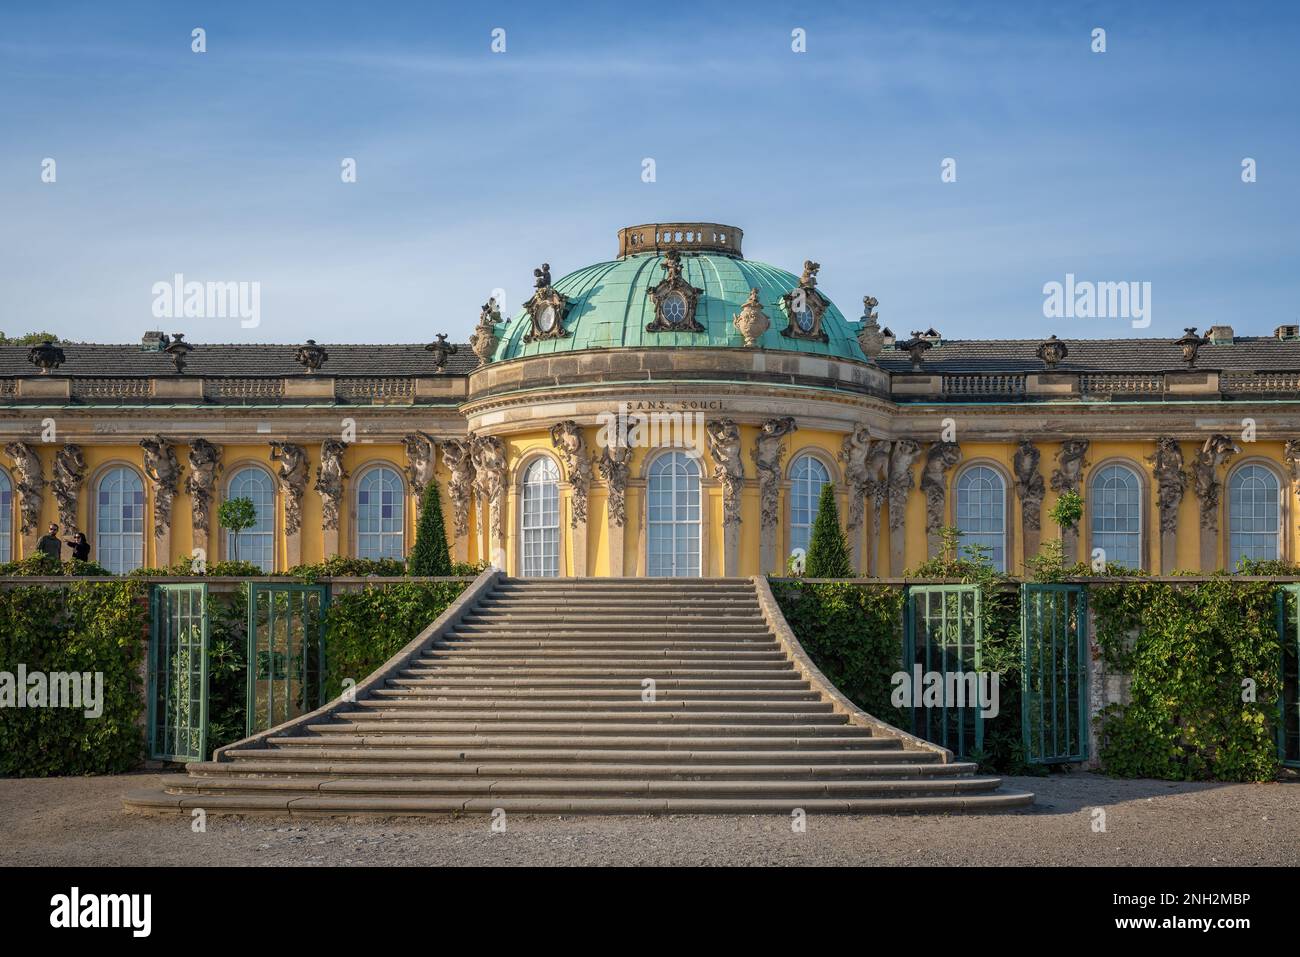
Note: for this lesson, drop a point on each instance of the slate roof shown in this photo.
(243, 360)
(957, 356)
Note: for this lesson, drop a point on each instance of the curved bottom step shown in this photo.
(157, 801)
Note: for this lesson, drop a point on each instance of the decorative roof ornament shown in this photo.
(440, 348)
(1052, 351)
(916, 347)
(178, 349)
(674, 298)
(870, 338)
(484, 339)
(804, 306)
(547, 308)
(751, 322)
(1190, 344)
(46, 356)
(311, 357)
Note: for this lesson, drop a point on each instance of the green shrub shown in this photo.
(338, 566)
(828, 550)
(365, 628)
(42, 564)
(853, 633)
(429, 555)
(84, 627)
(1189, 648)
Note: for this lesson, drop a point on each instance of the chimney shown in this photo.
(153, 342)
(1287, 332)
(1221, 335)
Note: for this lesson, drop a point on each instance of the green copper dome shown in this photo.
(609, 305)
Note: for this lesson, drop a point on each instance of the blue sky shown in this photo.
(474, 167)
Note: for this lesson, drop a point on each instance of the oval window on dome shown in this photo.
(546, 319)
(674, 308)
(806, 320)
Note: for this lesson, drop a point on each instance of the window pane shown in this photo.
(1254, 515)
(981, 512)
(541, 519)
(381, 513)
(119, 521)
(807, 476)
(673, 510)
(1117, 515)
(256, 544)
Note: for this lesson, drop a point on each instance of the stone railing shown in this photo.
(1259, 383)
(984, 386)
(693, 237)
(1122, 383)
(96, 389)
(243, 389)
(375, 389)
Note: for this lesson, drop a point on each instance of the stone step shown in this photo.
(774, 680)
(812, 713)
(321, 750)
(783, 788)
(586, 741)
(684, 726)
(644, 667)
(588, 645)
(675, 616)
(540, 651)
(532, 703)
(578, 769)
(156, 800)
(630, 704)
(491, 697)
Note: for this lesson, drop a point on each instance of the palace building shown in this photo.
(674, 411)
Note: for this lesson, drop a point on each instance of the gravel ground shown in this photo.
(79, 821)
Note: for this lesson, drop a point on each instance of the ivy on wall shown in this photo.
(84, 627)
(1196, 654)
(365, 628)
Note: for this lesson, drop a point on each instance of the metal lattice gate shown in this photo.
(1288, 625)
(178, 672)
(942, 635)
(286, 652)
(1054, 672)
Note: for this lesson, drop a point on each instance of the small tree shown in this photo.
(828, 549)
(235, 515)
(429, 555)
(1068, 510)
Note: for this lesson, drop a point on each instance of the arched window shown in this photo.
(673, 516)
(1254, 515)
(380, 514)
(6, 517)
(1116, 502)
(807, 476)
(256, 544)
(982, 513)
(119, 520)
(541, 519)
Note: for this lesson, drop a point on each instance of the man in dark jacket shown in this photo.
(49, 544)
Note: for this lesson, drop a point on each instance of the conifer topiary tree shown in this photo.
(430, 555)
(828, 549)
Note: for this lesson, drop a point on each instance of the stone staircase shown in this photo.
(589, 696)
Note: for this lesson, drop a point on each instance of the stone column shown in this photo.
(855, 451)
(330, 478)
(489, 458)
(30, 487)
(941, 457)
(767, 453)
(1030, 489)
(1210, 460)
(163, 472)
(614, 466)
(728, 468)
(292, 475)
(457, 455)
(569, 442)
(1171, 482)
(200, 485)
(904, 453)
(1071, 461)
